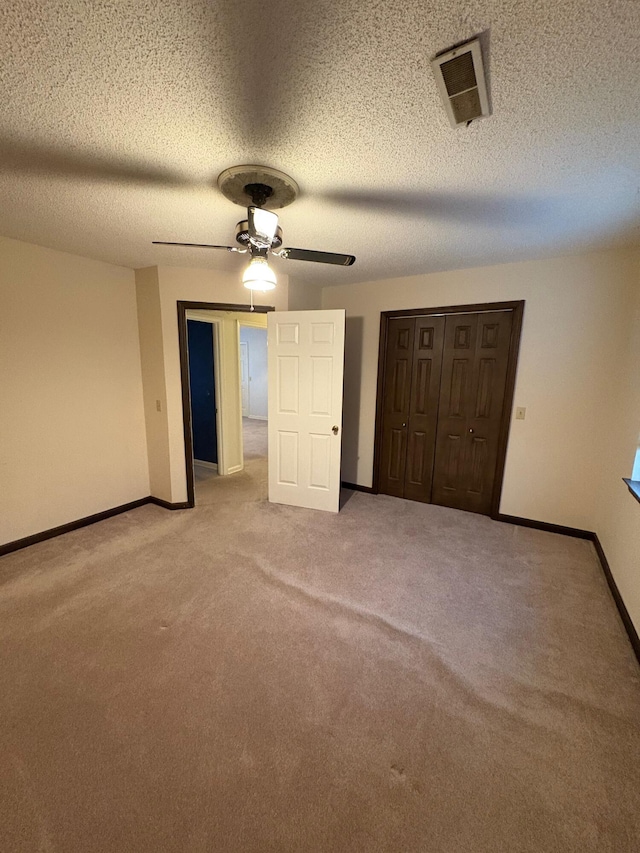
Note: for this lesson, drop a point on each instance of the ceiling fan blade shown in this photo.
(30, 158)
(498, 210)
(269, 58)
(195, 245)
(317, 257)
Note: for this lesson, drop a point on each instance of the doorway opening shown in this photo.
(446, 378)
(219, 441)
(253, 363)
(204, 389)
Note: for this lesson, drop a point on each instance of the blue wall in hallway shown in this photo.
(203, 392)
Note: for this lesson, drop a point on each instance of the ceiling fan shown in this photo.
(261, 189)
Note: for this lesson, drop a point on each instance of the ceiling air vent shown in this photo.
(460, 77)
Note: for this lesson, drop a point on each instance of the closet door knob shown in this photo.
(471, 430)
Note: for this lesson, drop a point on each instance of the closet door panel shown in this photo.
(488, 389)
(449, 475)
(475, 360)
(397, 393)
(423, 407)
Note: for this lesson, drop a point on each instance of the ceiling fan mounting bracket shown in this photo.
(249, 184)
(258, 193)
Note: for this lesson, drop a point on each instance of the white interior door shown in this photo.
(305, 373)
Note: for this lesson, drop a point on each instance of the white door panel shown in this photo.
(306, 361)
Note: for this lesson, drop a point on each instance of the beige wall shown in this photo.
(196, 285)
(304, 297)
(617, 521)
(574, 307)
(577, 376)
(72, 433)
(154, 389)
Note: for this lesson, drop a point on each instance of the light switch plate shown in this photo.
(520, 412)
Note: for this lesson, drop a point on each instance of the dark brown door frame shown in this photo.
(183, 307)
(518, 310)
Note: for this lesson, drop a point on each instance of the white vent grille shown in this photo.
(461, 82)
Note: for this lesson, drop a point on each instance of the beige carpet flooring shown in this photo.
(247, 485)
(252, 677)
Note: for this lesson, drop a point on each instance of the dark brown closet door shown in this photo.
(423, 407)
(474, 371)
(412, 382)
(397, 390)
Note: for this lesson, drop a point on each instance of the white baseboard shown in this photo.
(256, 417)
(235, 468)
(212, 465)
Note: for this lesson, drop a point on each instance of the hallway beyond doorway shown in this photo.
(247, 485)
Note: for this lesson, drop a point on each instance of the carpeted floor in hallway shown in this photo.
(252, 677)
(247, 485)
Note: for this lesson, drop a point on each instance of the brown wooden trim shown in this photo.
(186, 401)
(480, 307)
(630, 628)
(576, 532)
(633, 486)
(517, 308)
(377, 439)
(225, 306)
(169, 505)
(183, 306)
(356, 487)
(17, 544)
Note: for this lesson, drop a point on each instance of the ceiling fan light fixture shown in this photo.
(259, 275)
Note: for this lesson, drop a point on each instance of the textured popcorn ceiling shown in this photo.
(116, 118)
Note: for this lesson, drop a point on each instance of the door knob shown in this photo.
(471, 430)
(404, 425)
(334, 430)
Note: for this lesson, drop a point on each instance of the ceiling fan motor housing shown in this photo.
(243, 238)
